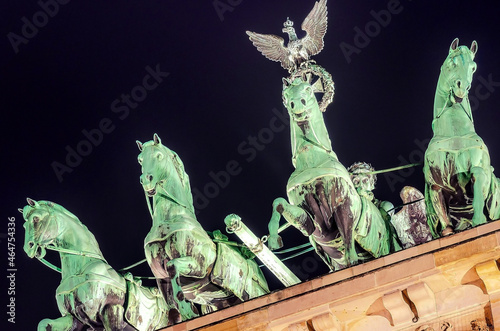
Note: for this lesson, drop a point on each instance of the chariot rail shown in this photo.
(236, 226)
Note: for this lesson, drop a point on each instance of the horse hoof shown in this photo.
(447, 232)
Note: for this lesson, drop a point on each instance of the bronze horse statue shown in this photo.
(324, 204)
(91, 295)
(190, 268)
(461, 189)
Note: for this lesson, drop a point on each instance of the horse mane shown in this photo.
(460, 50)
(443, 92)
(58, 208)
(179, 167)
(176, 161)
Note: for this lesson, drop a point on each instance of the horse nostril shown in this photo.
(303, 101)
(459, 83)
(31, 244)
(149, 177)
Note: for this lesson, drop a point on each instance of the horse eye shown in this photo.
(139, 160)
(36, 219)
(159, 156)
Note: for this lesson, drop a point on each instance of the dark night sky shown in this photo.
(219, 92)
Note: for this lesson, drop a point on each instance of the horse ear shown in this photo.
(20, 210)
(156, 139)
(139, 144)
(286, 82)
(31, 202)
(454, 45)
(473, 48)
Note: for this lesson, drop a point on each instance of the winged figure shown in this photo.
(298, 50)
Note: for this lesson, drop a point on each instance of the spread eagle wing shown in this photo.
(315, 25)
(272, 47)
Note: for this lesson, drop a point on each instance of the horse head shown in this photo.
(307, 126)
(40, 228)
(162, 169)
(51, 226)
(299, 99)
(43, 226)
(457, 71)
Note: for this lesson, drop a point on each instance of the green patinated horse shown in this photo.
(461, 189)
(91, 295)
(324, 204)
(190, 268)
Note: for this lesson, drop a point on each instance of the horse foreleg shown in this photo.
(165, 286)
(479, 183)
(186, 265)
(294, 215)
(65, 323)
(274, 241)
(323, 205)
(112, 318)
(436, 197)
(320, 216)
(344, 217)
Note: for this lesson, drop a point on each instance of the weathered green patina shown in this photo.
(324, 203)
(461, 189)
(257, 247)
(190, 268)
(364, 180)
(408, 227)
(91, 293)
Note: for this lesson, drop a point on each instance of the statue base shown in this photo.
(447, 282)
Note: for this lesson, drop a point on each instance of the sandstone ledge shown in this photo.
(453, 280)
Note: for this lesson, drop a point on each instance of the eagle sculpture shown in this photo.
(298, 50)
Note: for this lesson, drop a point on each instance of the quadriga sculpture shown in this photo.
(91, 294)
(410, 223)
(461, 189)
(324, 204)
(190, 268)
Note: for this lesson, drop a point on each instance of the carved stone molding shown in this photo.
(398, 308)
(423, 298)
(490, 275)
(326, 322)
